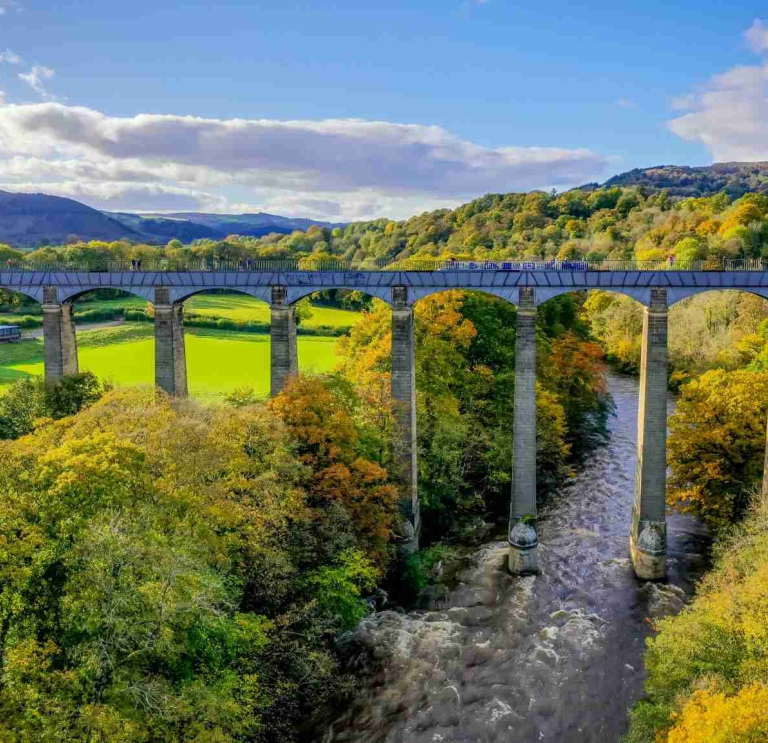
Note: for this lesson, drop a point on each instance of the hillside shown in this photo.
(188, 226)
(30, 220)
(614, 223)
(255, 225)
(27, 220)
(157, 228)
(735, 179)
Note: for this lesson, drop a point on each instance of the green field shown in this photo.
(217, 361)
(232, 306)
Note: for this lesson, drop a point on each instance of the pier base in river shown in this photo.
(649, 550)
(523, 549)
(648, 535)
(523, 539)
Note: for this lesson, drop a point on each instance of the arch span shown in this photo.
(183, 293)
(295, 293)
(508, 294)
(678, 295)
(32, 292)
(639, 294)
(71, 296)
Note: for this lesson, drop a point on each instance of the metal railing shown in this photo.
(309, 265)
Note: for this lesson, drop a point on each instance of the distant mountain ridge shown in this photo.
(31, 219)
(187, 226)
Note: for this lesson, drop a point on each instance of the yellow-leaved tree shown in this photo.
(716, 444)
(710, 717)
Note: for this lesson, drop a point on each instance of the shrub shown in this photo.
(339, 587)
(105, 314)
(29, 400)
(419, 568)
(72, 394)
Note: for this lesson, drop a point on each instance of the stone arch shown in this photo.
(180, 294)
(295, 293)
(33, 292)
(678, 294)
(71, 294)
(639, 294)
(509, 294)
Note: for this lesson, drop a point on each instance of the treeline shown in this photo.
(191, 319)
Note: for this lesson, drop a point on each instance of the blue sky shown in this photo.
(498, 96)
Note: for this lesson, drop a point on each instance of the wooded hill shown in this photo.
(735, 179)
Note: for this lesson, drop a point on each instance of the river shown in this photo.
(556, 657)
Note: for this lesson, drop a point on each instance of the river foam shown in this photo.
(557, 657)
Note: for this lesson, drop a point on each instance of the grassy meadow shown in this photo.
(218, 361)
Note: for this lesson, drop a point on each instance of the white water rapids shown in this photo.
(557, 657)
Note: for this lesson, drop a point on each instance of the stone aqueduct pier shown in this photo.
(656, 290)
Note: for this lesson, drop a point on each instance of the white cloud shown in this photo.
(118, 196)
(627, 103)
(729, 113)
(36, 78)
(729, 116)
(757, 36)
(339, 168)
(10, 57)
(3, 11)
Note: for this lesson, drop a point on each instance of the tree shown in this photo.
(716, 444)
(689, 249)
(329, 444)
(711, 717)
(7, 253)
(576, 372)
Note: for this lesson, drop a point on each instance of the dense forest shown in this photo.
(173, 572)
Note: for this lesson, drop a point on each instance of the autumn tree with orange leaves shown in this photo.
(329, 445)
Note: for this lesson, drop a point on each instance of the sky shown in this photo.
(350, 110)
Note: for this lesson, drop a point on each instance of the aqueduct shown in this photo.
(657, 290)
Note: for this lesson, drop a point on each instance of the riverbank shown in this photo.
(556, 657)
